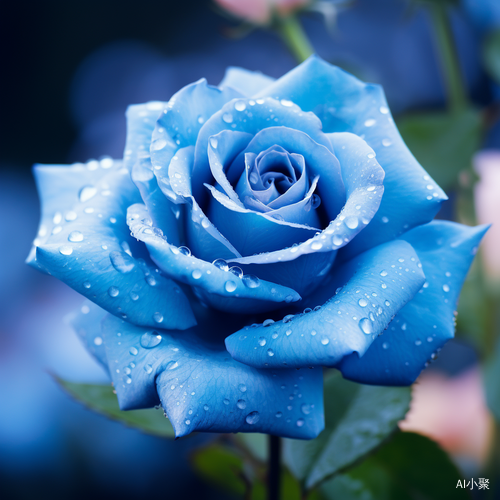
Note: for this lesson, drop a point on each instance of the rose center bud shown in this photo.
(274, 179)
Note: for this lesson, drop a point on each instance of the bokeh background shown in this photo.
(69, 70)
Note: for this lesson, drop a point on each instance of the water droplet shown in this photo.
(188, 422)
(196, 274)
(337, 240)
(97, 340)
(262, 341)
(226, 401)
(383, 285)
(86, 284)
(241, 404)
(251, 281)
(133, 351)
(65, 250)
(370, 122)
(325, 341)
(351, 222)
(383, 273)
(230, 286)
(385, 345)
(363, 302)
(86, 193)
(240, 106)
(306, 409)
(236, 271)
(268, 322)
(148, 368)
(366, 325)
(429, 339)
(214, 142)
(185, 251)
(205, 223)
(113, 291)
(252, 418)
(227, 117)
(70, 216)
(288, 333)
(386, 142)
(313, 332)
(279, 414)
(300, 422)
(158, 317)
(206, 407)
(387, 303)
(150, 339)
(221, 264)
(150, 280)
(446, 288)
(288, 318)
(172, 365)
(286, 103)
(122, 262)
(242, 388)
(270, 352)
(384, 110)
(371, 155)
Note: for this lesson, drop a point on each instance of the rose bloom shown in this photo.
(260, 11)
(254, 233)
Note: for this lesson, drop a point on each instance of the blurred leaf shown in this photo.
(409, 467)
(443, 143)
(221, 467)
(491, 378)
(101, 399)
(474, 311)
(231, 469)
(358, 419)
(255, 443)
(491, 55)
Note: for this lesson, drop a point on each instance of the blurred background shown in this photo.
(70, 69)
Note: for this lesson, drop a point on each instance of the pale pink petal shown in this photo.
(254, 11)
(453, 412)
(487, 202)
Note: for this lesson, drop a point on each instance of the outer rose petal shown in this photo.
(248, 83)
(362, 298)
(422, 327)
(93, 253)
(343, 103)
(202, 389)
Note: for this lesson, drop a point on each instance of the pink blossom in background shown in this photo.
(487, 202)
(260, 11)
(453, 412)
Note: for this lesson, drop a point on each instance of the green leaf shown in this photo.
(101, 399)
(443, 143)
(221, 467)
(409, 467)
(491, 55)
(491, 377)
(358, 418)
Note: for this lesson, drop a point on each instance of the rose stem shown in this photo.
(274, 468)
(295, 37)
(450, 66)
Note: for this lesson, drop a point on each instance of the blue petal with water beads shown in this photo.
(93, 253)
(201, 388)
(250, 116)
(422, 327)
(345, 104)
(180, 122)
(361, 299)
(362, 178)
(87, 325)
(248, 83)
(215, 284)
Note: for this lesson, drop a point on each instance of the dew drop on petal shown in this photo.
(150, 339)
(241, 404)
(113, 291)
(65, 250)
(366, 325)
(230, 286)
(196, 274)
(363, 302)
(122, 262)
(158, 317)
(86, 193)
(251, 281)
(252, 418)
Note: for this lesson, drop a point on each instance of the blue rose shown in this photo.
(285, 218)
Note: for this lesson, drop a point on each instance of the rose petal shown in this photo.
(422, 327)
(217, 287)
(93, 253)
(361, 303)
(248, 83)
(202, 389)
(343, 103)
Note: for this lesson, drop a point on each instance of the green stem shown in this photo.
(457, 96)
(295, 37)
